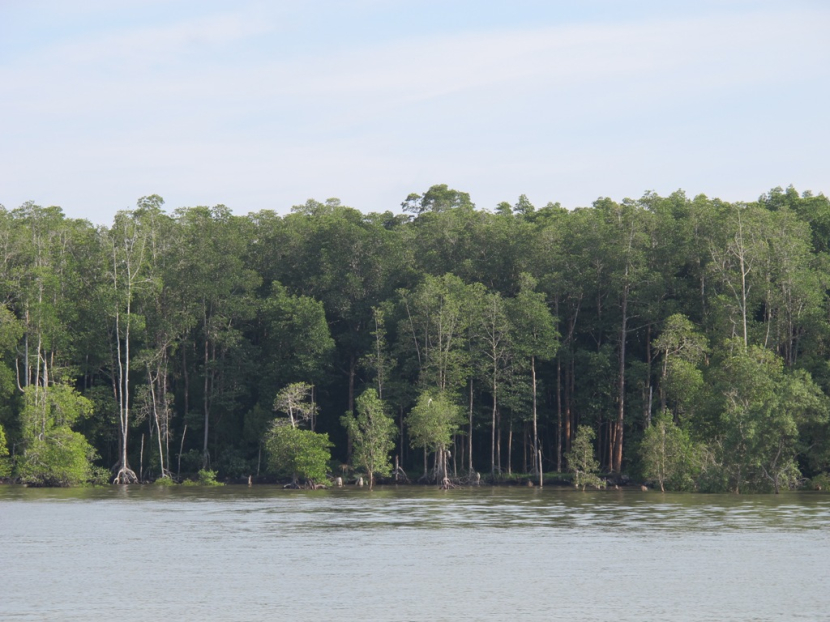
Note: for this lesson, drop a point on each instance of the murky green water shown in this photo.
(411, 554)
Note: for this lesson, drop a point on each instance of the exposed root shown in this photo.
(125, 475)
(296, 485)
(446, 484)
(400, 476)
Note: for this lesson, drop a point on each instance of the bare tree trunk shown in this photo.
(349, 445)
(181, 449)
(610, 444)
(186, 380)
(569, 414)
(152, 386)
(618, 450)
(493, 434)
(536, 448)
(647, 396)
(400, 432)
(166, 412)
(141, 461)
(26, 353)
(205, 399)
(498, 441)
(558, 414)
(470, 434)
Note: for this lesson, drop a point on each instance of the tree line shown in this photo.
(675, 339)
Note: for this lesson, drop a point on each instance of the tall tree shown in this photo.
(432, 422)
(217, 292)
(682, 349)
(126, 246)
(496, 350)
(764, 407)
(535, 338)
(373, 433)
(627, 226)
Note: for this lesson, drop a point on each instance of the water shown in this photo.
(262, 553)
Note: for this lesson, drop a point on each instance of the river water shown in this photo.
(262, 553)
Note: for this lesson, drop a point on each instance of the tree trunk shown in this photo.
(349, 445)
(206, 404)
(152, 386)
(186, 380)
(558, 415)
(618, 449)
(648, 388)
(536, 449)
(498, 441)
(493, 434)
(181, 450)
(470, 434)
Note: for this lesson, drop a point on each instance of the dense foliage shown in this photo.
(690, 337)
(372, 433)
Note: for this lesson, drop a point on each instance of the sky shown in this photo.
(263, 105)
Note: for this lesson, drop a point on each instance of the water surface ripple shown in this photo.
(262, 553)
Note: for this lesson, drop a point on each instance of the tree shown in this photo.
(165, 327)
(350, 263)
(668, 454)
(216, 292)
(581, 459)
(535, 337)
(5, 465)
(565, 243)
(296, 342)
(373, 433)
(495, 350)
(627, 225)
(763, 410)
(302, 454)
(683, 349)
(295, 401)
(438, 198)
(432, 422)
(10, 332)
(53, 454)
(737, 252)
(379, 360)
(127, 250)
(436, 320)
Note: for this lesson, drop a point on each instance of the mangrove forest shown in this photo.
(679, 342)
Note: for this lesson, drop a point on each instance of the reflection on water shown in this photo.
(238, 553)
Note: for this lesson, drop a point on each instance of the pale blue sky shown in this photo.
(262, 105)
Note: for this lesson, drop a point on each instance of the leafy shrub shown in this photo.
(208, 478)
(204, 478)
(301, 454)
(5, 465)
(819, 482)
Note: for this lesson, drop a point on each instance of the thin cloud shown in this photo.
(219, 104)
